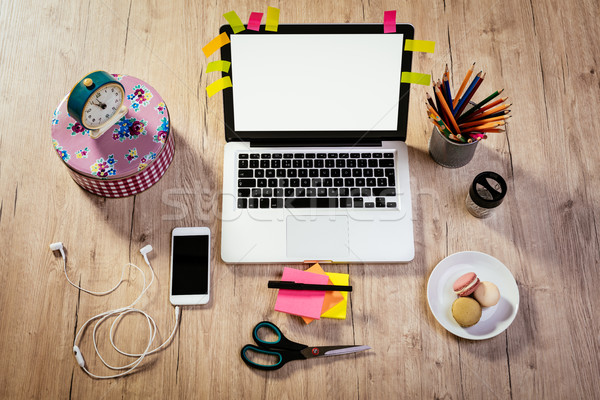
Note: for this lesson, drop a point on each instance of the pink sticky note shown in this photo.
(389, 21)
(254, 21)
(305, 303)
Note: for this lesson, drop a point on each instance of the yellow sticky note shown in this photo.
(219, 65)
(215, 44)
(416, 78)
(272, 19)
(236, 23)
(339, 310)
(425, 46)
(218, 85)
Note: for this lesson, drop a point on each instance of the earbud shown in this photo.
(56, 246)
(146, 249)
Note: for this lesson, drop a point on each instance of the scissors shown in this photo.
(285, 350)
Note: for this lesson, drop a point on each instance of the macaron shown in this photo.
(466, 311)
(487, 294)
(466, 284)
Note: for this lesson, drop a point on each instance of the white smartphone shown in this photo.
(190, 266)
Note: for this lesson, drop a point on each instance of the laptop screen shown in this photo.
(317, 83)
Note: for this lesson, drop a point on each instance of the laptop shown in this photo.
(316, 165)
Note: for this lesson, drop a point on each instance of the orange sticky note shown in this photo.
(331, 298)
(216, 44)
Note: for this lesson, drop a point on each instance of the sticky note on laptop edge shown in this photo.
(339, 310)
(305, 303)
(331, 297)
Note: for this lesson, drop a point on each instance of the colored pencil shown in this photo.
(481, 103)
(467, 97)
(433, 111)
(437, 121)
(487, 130)
(478, 136)
(500, 113)
(495, 110)
(431, 103)
(463, 85)
(484, 126)
(482, 121)
(446, 79)
(461, 138)
(445, 133)
(469, 90)
(476, 114)
(446, 113)
(443, 128)
(436, 118)
(438, 93)
(437, 101)
(441, 111)
(446, 85)
(490, 130)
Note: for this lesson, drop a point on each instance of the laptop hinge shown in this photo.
(318, 262)
(316, 144)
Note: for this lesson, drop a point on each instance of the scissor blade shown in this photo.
(347, 350)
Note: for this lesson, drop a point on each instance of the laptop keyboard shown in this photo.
(316, 180)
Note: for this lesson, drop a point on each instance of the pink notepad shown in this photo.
(305, 303)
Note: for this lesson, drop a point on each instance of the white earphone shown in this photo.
(119, 313)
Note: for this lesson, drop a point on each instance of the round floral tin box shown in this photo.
(130, 157)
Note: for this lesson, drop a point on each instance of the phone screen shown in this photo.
(190, 265)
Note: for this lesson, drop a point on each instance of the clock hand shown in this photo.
(100, 104)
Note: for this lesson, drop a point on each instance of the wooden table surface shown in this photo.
(543, 53)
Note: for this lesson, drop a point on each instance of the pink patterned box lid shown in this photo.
(127, 148)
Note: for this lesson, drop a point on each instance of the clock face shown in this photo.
(102, 105)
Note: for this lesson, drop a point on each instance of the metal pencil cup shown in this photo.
(448, 153)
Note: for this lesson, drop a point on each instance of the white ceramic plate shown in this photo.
(440, 296)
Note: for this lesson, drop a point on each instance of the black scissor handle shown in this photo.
(265, 367)
(281, 342)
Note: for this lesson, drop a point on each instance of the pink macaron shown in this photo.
(466, 284)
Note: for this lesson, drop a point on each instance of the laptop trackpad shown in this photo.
(317, 237)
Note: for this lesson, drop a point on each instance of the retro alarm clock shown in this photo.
(112, 132)
(97, 102)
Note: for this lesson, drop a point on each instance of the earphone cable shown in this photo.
(119, 313)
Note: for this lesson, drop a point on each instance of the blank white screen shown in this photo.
(347, 82)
